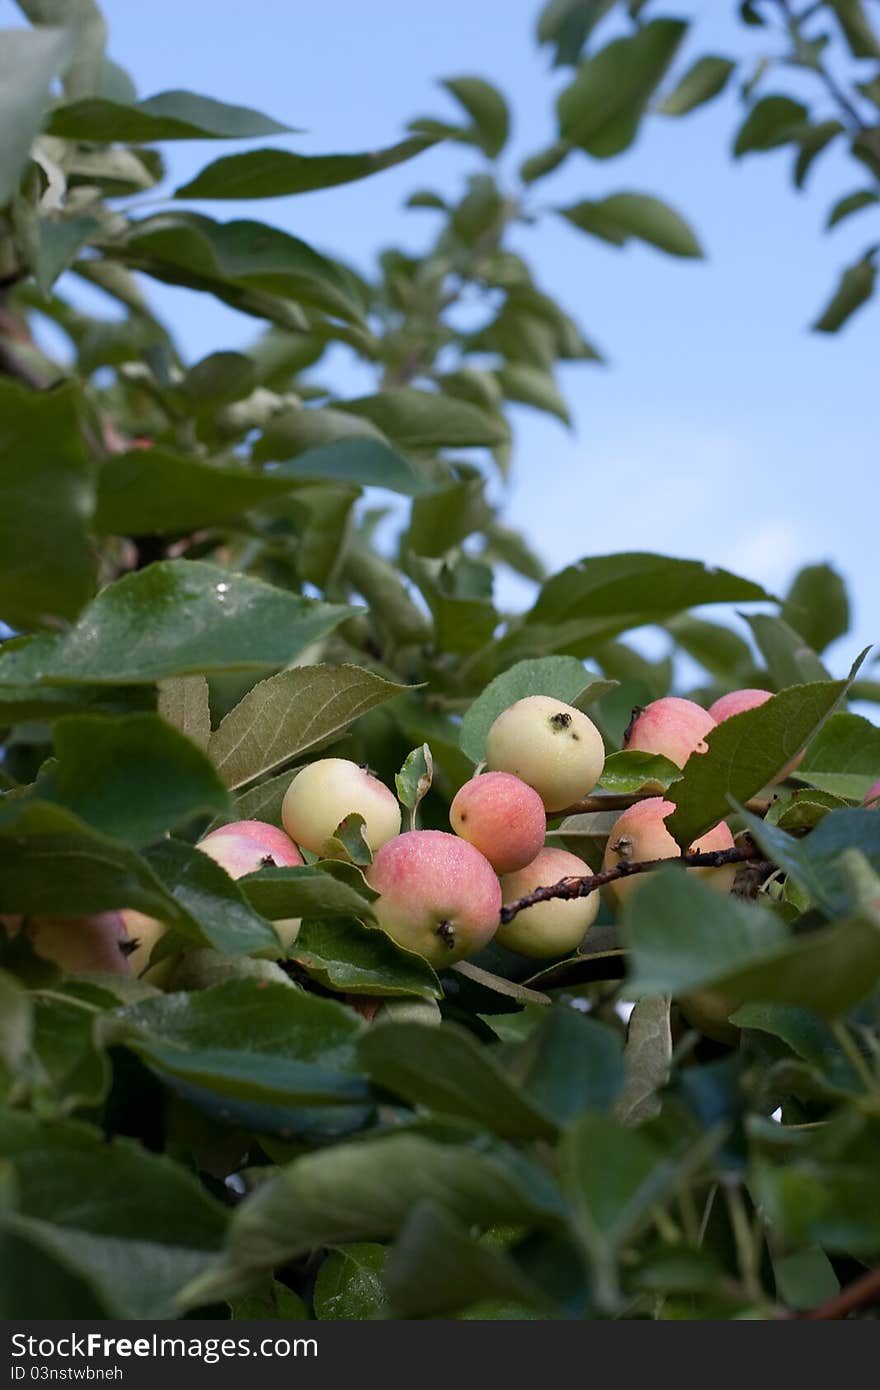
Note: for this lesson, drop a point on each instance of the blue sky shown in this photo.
(722, 429)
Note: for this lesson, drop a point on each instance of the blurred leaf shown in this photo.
(853, 202)
(133, 1225)
(772, 121)
(722, 652)
(292, 1055)
(487, 109)
(790, 659)
(626, 215)
(822, 864)
(427, 419)
(278, 173)
(745, 753)
(844, 758)
(533, 386)
(855, 289)
(805, 1279)
(47, 563)
(167, 116)
(29, 59)
(568, 1064)
(602, 108)
(346, 955)
(703, 81)
(278, 1304)
(567, 24)
(291, 714)
(59, 241)
(811, 143)
(175, 618)
(365, 462)
(817, 606)
(365, 1191)
(16, 1023)
(858, 30)
(445, 1070)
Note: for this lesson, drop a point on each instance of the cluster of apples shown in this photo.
(441, 893)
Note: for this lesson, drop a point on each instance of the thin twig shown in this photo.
(580, 887)
(861, 1293)
(621, 801)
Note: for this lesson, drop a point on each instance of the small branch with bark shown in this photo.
(580, 887)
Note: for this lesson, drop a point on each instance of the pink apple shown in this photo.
(502, 817)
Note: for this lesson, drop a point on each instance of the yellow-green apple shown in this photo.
(552, 746)
(322, 794)
(551, 928)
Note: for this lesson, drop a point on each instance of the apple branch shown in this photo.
(579, 887)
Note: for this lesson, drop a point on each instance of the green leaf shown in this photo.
(73, 1069)
(323, 890)
(413, 781)
(772, 121)
(568, 1064)
(561, 677)
(821, 865)
(211, 909)
(47, 562)
(812, 142)
(365, 1191)
(805, 1279)
(349, 1284)
(437, 1267)
(807, 1035)
(626, 215)
(291, 714)
(443, 517)
(132, 1225)
(59, 241)
(533, 386)
(790, 659)
(855, 289)
(745, 753)
(184, 703)
(853, 202)
(567, 24)
(168, 116)
(16, 1023)
(817, 606)
(704, 80)
(176, 884)
(858, 30)
(232, 259)
(822, 1193)
(29, 59)
(277, 1304)
(362, 461)
(420, 420)
(602, 108)
(100, 761)
(292, 1054)
(583, 605)
(537, 166)
(349, 957)
(445, 1070)
(648, 1060)
(487, 109)
(844, 758)
(636, 771)
(723, 653)
(278, 173)
(88, 69)
(176, 618)
(682, 941)
(683, 935)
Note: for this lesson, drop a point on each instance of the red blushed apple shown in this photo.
(438, 896)
(640, 835)
(79, 945)
(736, 702)
(502, 817)
(555, 927)
(671, 727)
(872, 796)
